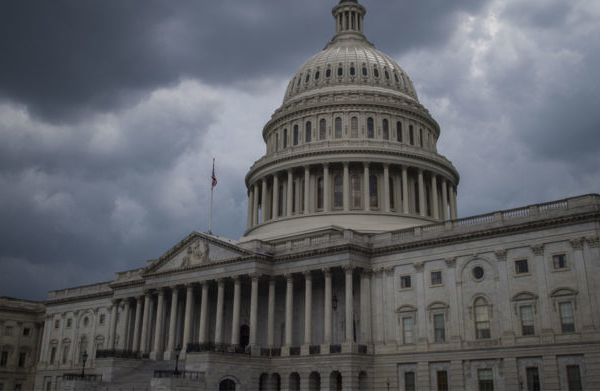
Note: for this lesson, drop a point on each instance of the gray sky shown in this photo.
(111, 112)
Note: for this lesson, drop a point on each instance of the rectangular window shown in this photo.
(102, 319)
(52, 354)
(521, 266)
(574, 378)
(436, 278)
(1, 386)
(559, 261)
(405, 282)
(527, 320)
(440, 327)
(26, 331)
(485, 378)
(69, 323)
(442, 380)
(57, 324)
(3, 359)
(409, 381)
(18, 387)
(65, 354)
(22, 359)
(407, 329)
(567, 321)
(482, 322)
(533, 379)
(8, 330)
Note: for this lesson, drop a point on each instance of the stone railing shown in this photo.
(126, 354)
(270, 352)
(216, 348)
(80, 377)
(190, 375)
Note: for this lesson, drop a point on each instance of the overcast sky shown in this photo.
(111, 112)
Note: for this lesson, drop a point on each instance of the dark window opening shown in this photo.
(370, 128)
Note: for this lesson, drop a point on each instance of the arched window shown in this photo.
(392, 198)
(340, 71)
(354, 127)
(352, 71)
(328, 73)
(411, 135)
(386, 129)
(307, 77)
(296, 135)
(355, 191)
(322, 129)
(227, 385)
(482, 319)
(376, 73)
(314, 381)
(373, 192)
(317, 75)
(285, 138)
(338, 127)
(299, 80)
(294, 382)
(370, 128)
(387, 74)
(364, 71)
(308, 133)
(66, 348)
(399, 131)
(338, 191)
(396, 77)
(320, 192)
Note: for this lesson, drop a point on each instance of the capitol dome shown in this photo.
(351, 146)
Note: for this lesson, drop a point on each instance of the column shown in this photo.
(160, 321)
(545, 305)
(327, 307)
(434, 197)
(135, 346)
(250, 205)
(308, 308)
(346, 185)
(113, 324)
(254, 309)
(349, 305)
(126, 327)
(386, 188)
(444, 200)
(422, 208)
(255, 207)
(405, 190)
(263, 201)
(289, 303)
(453, 213)
(366, 192)
(289, 191)
(275, 213)
(235, 319)
(145, 324)
(219, 317)
(306, 189)
(203, 313)
(187, 322)
(173, 322)
(271, 314)
(587, 324)
(326, 188)
(365, 306)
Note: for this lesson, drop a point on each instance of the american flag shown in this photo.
(213, 177)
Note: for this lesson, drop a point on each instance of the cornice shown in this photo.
(79, 298)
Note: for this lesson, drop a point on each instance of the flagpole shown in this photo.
(211, 199)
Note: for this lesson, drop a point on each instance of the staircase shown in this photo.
(139, 378)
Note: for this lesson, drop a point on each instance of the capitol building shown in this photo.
(354, 272)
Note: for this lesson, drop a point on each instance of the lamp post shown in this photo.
(84, 357)
(177, 353)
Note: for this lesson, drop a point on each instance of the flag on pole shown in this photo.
(213, 177)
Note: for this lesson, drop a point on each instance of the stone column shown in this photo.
(126, 324)
(366, 190)
(235, 319)
(349, 305)
(271, 314)
(203, 313)
(263, 201)
(255, 207)
(113, 324)
(327, 307)
(160, 321)
(444, 200)
(172, 324)
(377, 305)
(434, 197)
(145, 323)
(365, 306)
(453, 213)
(275, 192)
(306, 189)
(250, 205)
(254, 310)
(289, 190)
(405, 190)
(135, 346)
(386, 188)
(187, 323)
(422, 208)
(326, 188)
(540, 270)
(346, 186)
(289, 308)
(219, 316)
(587, 324)
(308, 308)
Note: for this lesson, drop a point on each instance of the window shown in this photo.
(18, 387)
(574, 378)
(340, 72)
(320, 192)
(482, 319)
(307, 77)
(296, 135)
(338, 191)
(308, 132)
(399, 131)
(521, 266)
(411, 135)
(373, 192)
(370, 128)
(376, 72)
(386, 129)
(338, 127)
(567, 321)
(26, 331)
(436, 278)
(396, 77)
(102, 319)
(52, 354)
(22, 359)
(328, 73)
(4, 358)
(69, 323)
(299, 80)
(439, 325)
(478, 273)
(405, 282)
(65, 353)
(559, 261)
(355, 191)
(317, 75)
(527, 320)
(285, 138)
(533, 379)
(442, 380)
(407, 330)
(8, 331)
(352, 71)
(485, 378)
(322, 129)
(387, 74)
(409, 381)
(364, 71)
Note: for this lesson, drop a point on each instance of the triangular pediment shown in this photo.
(196, 249)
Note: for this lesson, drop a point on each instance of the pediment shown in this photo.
(195, 250)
